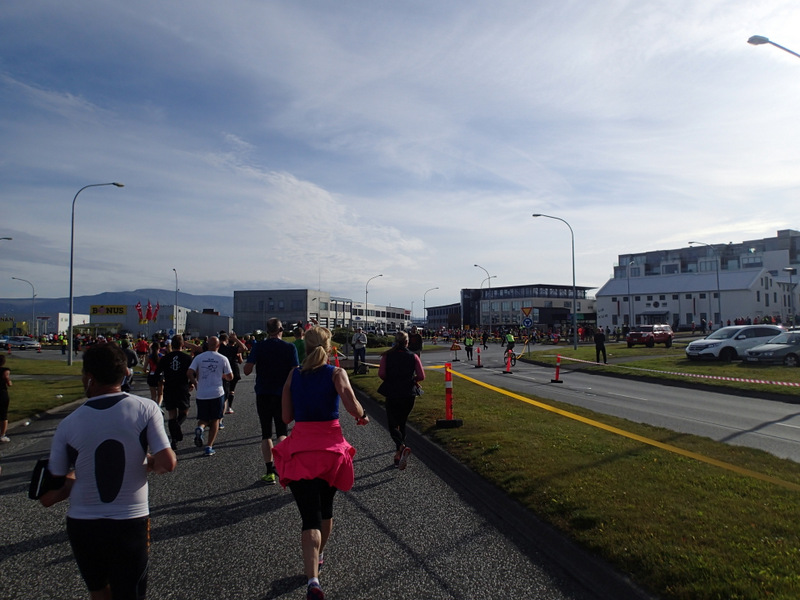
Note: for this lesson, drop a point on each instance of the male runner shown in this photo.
(106, 441)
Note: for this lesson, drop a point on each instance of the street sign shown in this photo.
(527, 322)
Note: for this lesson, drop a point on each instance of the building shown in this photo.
(252, 308)
(126, 319)
(715, 283)
(544, 306)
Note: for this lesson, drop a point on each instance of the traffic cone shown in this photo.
(508, 365)
(478, 365)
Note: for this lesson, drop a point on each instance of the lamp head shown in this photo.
(118, 184)
(757, 40)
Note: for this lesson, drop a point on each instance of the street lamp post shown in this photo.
(717, 265)
(791, 271)
(175, 309)
(32, 328)
(574, 288)
(424, 305)
(489, 279)
(630, 302)
(71, 261)
(366, 297)
(757, 40)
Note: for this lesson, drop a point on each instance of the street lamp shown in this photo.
(630, 304)
(6, 238)
(574, 289)
(717, 264)
(71, 260)
(33, 305)
(175, 308)
(424, 305)
(791, 271)
(366, 296)
(757, 40)
(489, 279)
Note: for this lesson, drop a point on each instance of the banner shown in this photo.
(103, 309)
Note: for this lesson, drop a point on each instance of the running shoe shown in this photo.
(229, 411)
(404, 458)
(209, 451)
(5, 439)
(222, 424)
(315, 592)
(198, 437)
(269, 478)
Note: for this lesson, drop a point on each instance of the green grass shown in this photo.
(632, 362)
(681, 528)
(38, 385)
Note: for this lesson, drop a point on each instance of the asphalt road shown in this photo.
(434, 531)
(768, 424)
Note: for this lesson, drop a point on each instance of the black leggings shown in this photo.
(314, 498)
(397, 411)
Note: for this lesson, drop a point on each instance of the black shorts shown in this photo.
(114, 553)
(153, 379)
(314, 498)
(210, 409)
(177, 400)
(269, 411)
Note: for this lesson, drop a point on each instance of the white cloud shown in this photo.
(302, 144)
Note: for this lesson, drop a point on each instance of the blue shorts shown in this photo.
(210, 410)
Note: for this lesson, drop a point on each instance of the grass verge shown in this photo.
(681, 528)
(39, 385)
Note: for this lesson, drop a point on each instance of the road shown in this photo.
(769, 425)
(433, 531)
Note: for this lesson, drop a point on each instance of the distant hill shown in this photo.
(21, 307)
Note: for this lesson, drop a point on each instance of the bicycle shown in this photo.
(510, 353)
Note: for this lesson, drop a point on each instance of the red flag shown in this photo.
(149, 314)
(139, 309)
(155, 312)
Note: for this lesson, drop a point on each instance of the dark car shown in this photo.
(783, 349)
(650, 335)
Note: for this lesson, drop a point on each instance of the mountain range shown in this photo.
(21, 307)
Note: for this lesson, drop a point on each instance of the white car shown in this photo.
(21, 342)
(730, 343)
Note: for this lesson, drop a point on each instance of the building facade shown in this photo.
(252, 309)
(716, 283)
(543, 306)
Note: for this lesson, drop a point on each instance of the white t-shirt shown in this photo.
(107, 439)
(210, 366)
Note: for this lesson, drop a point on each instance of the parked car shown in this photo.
(20, 342)
(782, 349)
(650, 335)
(731, 343)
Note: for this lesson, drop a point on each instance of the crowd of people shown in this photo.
(102, 453)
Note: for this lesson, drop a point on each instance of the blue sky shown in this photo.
(316, 144)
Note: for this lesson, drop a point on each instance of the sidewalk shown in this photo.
(433, 531)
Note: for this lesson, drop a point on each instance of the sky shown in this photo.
(284, 144)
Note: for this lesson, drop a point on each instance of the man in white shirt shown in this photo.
(112, 442)
(359, 342)
(206, 373)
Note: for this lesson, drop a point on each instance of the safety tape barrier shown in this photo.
(679, 374)
(633, 436)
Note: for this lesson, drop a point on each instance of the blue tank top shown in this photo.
(314, 396)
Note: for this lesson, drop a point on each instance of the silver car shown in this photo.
(731, 343)
(20, 342)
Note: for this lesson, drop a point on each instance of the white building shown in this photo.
(252, 309)
(716, 283)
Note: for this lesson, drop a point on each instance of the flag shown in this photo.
(149, 314)
(155, 312)
(139, 309)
